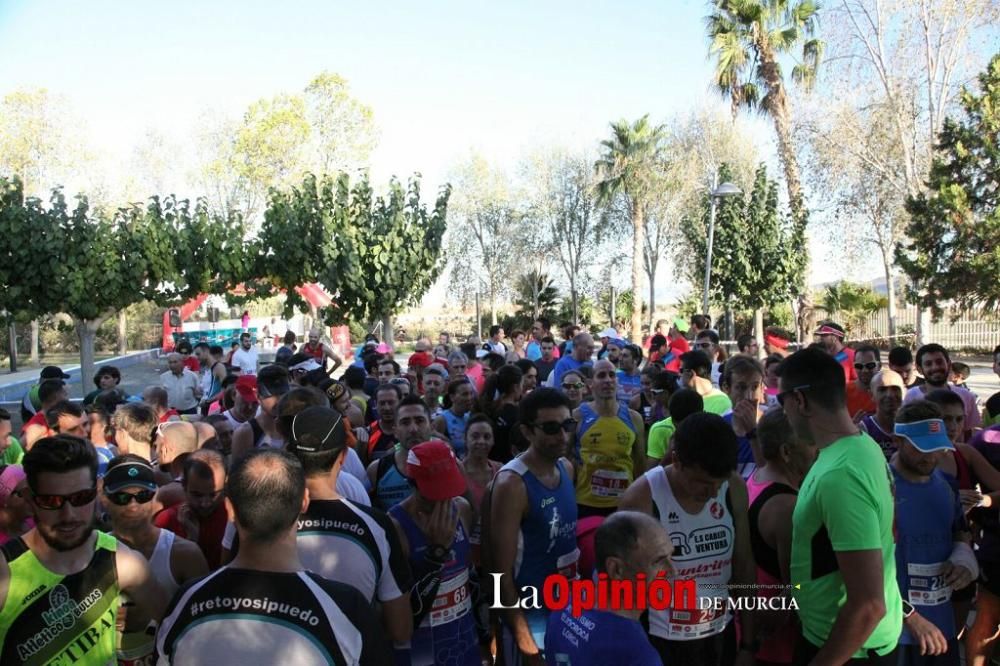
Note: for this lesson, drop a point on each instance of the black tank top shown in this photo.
(764, 555)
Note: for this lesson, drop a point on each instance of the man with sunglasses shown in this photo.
(61, 584)
(612, 446)
(129, 489)
(843, 565)
(202, 516)
(860, 401)
(708, 342)
(532, 511)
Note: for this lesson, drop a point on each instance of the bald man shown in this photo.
(321, 351)
(627, 544)
(583, 350)
(175, 441)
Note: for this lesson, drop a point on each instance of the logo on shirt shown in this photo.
(672, 517)
(716, 510)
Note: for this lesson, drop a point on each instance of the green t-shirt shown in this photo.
(14, 452)
(660, 432)
(845, 503)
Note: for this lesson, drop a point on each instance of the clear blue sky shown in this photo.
(443, 77)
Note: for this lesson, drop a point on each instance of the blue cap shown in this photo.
(928, 436)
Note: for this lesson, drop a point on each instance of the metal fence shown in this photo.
(982, 334)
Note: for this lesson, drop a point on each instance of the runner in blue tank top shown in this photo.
(933, 555)
(433, 528)
(532, 532)
(386, 476)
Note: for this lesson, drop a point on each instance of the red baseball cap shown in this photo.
(246, 386)
(434, 468)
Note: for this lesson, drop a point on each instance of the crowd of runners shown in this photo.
(832, 505)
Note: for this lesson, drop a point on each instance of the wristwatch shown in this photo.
(908, 609)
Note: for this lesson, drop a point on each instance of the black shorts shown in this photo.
(989, 576)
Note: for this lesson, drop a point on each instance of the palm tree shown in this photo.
(748, 38)
(631, 163)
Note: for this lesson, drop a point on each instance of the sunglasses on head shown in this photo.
(866, 366)
(122, 498)
(572, 385)
(553, 427)
(54, 502)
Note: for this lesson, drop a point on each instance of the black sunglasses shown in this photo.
(123, 498)
(54, 502)
(553, 427)
(868, 366)
(784, 394)
(573, 385)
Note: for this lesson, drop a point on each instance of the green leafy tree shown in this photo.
(851, 303)
(375, 255)
(307, 237)
(535, 295)
(343, 129)
(399, 245)
(748, 39)
(752, 265)
(631, 163)
(85, 265)
(953, 251)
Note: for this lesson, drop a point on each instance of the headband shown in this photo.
(775, 341)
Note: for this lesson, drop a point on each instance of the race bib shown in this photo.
(926, 585)
(566, 565)
(452, 600)
(608, 483)
(686, 625)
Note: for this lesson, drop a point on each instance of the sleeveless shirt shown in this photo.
(52, 618)
(606, 456)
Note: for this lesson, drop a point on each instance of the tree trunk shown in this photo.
(637, 230)
(758, 329)
(493, 307)
(652, 295)
(12, 346)
(387, 325)
(86, 332)
(122, 333)
(890, 285)
(923, 326)
(35, 326)
(576, 309)
(781, 115)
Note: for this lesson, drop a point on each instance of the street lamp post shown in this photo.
(724, 190)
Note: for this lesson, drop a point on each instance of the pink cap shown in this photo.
(9, 478)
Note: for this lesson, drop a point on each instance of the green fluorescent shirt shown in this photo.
(845, 503)
(658, 440)
(14, 453)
